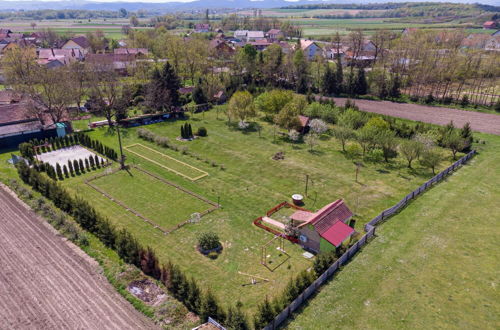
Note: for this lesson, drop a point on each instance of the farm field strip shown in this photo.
(169, 163)
(162, 204)
(48, 283)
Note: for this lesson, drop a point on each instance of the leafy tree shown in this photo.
(300, 66)
(318, 126)
(367, 137)
(431, 159)
(410, 150)
(241, 106)
(311, 140)
(208, 241)
(455, 143)
(389, 144)
(352, 119)
(395, 90)
(272, 102)
(343, 134)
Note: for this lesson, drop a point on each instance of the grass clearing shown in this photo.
(434, 264)
(251, 184)
(167, 162)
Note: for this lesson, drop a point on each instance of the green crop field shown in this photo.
(251, 184)
(433, 265)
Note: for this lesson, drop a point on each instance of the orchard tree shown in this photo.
(431, 159)
(411, 150)
(343, 134)
(455, 143)
(311, 140)
(241, 106)
(318, 126)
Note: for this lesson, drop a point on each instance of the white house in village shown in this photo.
(310, 48)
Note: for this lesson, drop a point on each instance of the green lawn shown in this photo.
(159, 158)
(251, 184)
(434, 265)
(164, 204)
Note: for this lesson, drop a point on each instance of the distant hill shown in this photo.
(181, 6)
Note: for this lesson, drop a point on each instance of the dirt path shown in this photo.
(482, 122)
(47, 283)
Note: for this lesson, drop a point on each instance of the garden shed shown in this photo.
(324, 230)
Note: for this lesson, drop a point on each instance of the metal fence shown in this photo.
(370, 232)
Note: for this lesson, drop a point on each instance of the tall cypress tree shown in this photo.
(183, 134)
(82, 167)
(361, 86)
(339, 76)
(76, 166)
(59, 172)
(65, 170)
(328, 85)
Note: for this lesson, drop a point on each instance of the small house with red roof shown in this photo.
(304, 124)
(324, 230)
(489, 25)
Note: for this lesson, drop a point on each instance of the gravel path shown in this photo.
(48, 283)
(482, 122)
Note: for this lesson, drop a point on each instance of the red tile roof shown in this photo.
(81, 41)
(303, 120)
(337, 233)
(330, 214)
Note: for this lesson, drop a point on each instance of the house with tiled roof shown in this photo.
(142, 52)
(489, 25)
(310, 48)
(202, 28)
(80, 42)
(324, 230)
(275, 34)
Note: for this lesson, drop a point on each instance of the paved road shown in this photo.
(481, 122)
(47, 283)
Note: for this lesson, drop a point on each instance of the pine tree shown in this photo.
(106, 233)
(190, 131)
(149, 263)
(361, 86)
(328, 83)
(264, 314)
(236, 319)
(339, 76)
(59, 172)
(163, 90)
(210, 307)
(466, 134)
(193, 301)
(183, 134)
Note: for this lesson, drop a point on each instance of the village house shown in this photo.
(260, 44)
(139, 52)
(80, 42)
(19, 124)
(220, 48)
(310, 48)
(475, 41)
(247, 36)
(202, 28)
(64, 56)
(275, 34)
(121, 63)
(324, 230)
(489, 25)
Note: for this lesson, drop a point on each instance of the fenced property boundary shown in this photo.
(139, 215)
(370, 232)
(168, 157)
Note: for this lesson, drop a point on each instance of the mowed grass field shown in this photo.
(251, 184)
(162, 203)
(159, 158)
(434, 265)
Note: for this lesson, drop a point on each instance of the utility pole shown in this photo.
(307, 182)
(122, 157)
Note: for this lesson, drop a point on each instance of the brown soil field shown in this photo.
(49, 283)
(481, 122)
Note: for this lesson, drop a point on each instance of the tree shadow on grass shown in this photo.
(316, 152)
